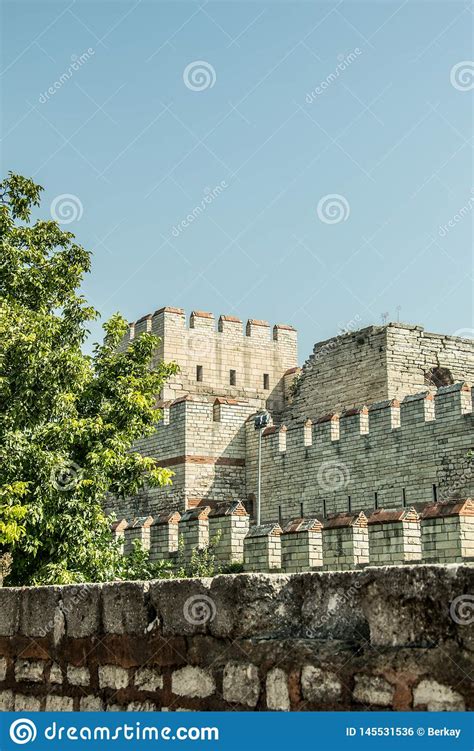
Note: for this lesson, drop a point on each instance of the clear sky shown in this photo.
(202, 145)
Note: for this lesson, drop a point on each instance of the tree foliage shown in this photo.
(67, 420)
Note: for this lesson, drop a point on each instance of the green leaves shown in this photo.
(67, 421)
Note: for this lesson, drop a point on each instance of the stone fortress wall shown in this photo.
(375, 364)
(436, 532)
(366, 424)
(392, 638)
(258, 357)
(386, 455)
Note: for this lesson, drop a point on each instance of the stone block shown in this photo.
(39, 606)
(148, 679)
(10, 599)
(78, 676)
(55, 703)
(123, 608)
(6, 701)
(26, 703)
(241, 684)
(320, 686)
(436, 697)
(193, 682)
(29, 670)
(278, 697)
(81, 608)
(91, 703)
(55, 674)
(113, 676)
(373, 691)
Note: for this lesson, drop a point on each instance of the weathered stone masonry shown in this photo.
(387, 456)
(380, 417)
(387, 638)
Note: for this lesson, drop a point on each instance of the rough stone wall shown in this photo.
(388, 638)
(374, 364)
(385, 467)
(413, 352)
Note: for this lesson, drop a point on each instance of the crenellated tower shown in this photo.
(377, 418)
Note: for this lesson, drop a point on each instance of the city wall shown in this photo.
(377, 363)
(257, 356)
(386, 455)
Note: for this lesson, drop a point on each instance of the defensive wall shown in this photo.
(378, 363)
(203, 441)
(223, 359)
(383, 455)
(377, 418)
(395, 638)
(436, 532)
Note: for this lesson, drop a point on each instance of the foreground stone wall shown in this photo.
(389, 638)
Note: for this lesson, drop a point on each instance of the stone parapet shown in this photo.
(345, 541)
(164, 536)
(229, 525)
(447, 531)
(194, 529)
(138, 529)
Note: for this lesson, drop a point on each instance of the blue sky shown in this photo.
(292, 103)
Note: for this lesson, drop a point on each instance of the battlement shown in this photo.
(205, 322)
(383, 455)
(222, 358)
(449, 402)
(377, 418)
(338, 541)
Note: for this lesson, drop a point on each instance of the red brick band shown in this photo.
(194, 459)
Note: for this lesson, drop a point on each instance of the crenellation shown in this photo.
(379, 418)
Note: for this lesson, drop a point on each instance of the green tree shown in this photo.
(67, 420)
